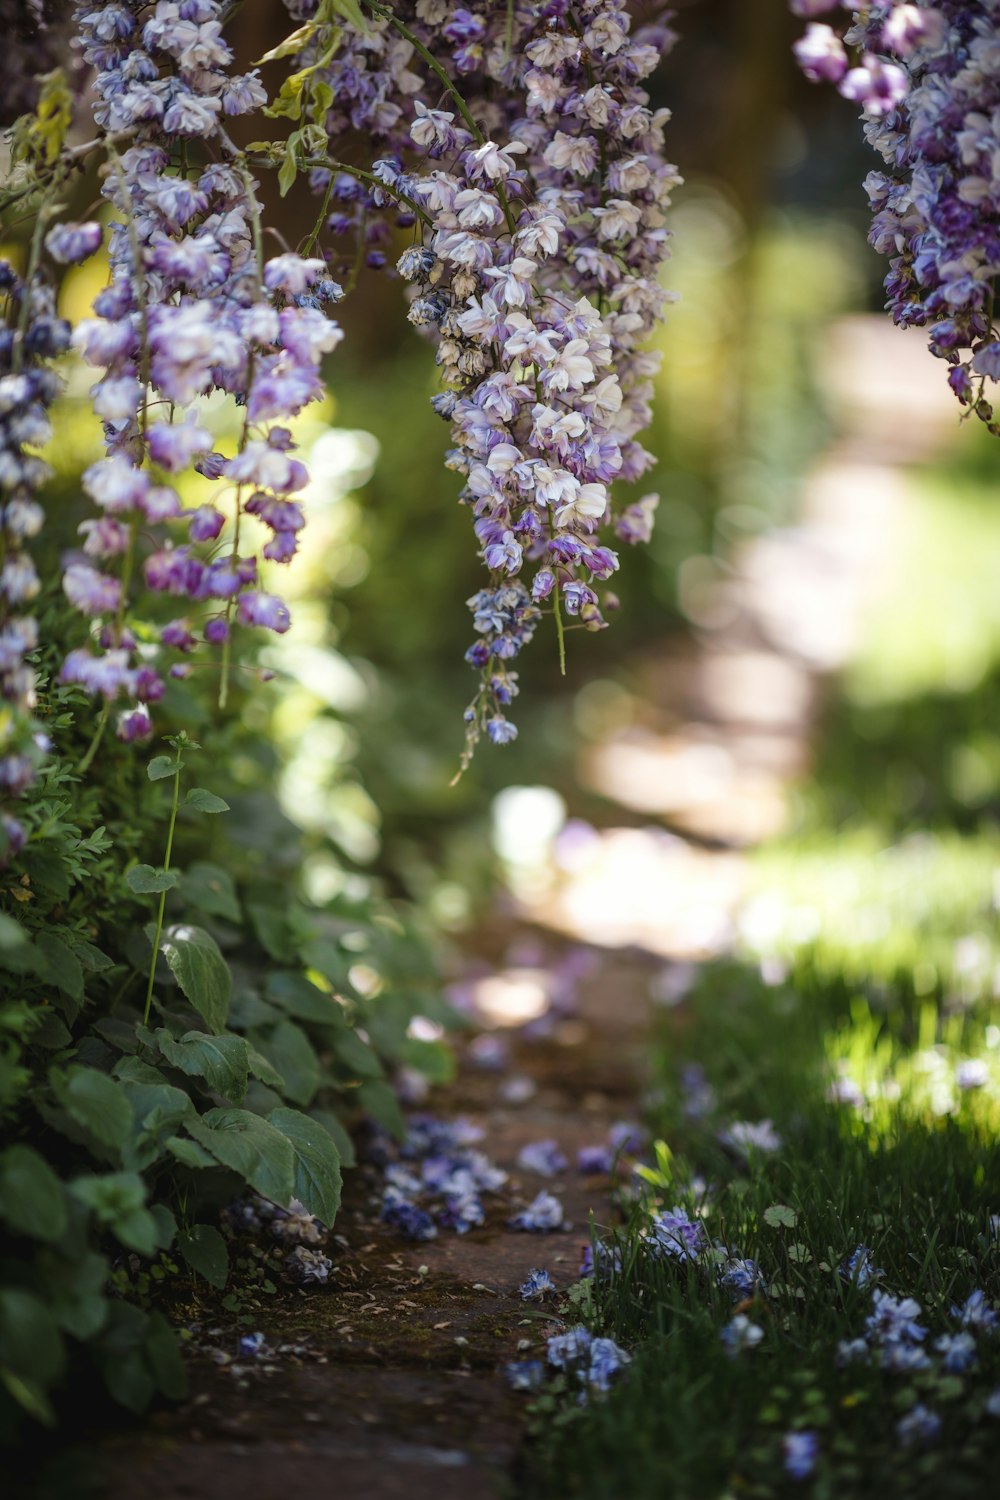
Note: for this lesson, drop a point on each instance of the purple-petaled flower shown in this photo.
(415, 1223)
(594, 1160)
(858, 1267)
(957, 1351)
(308, 1266)
(537, 1287)
(741, 1278)
(253, 1345)
(893, 1319)
(740, 1334)
(626, 1139)
(876, 85)
(977, 1313)
(748, 1138)
(543, 1157)
(265, 610)
(570, 1350)
(175, 446)
(920, 1426)
(206, 523)
(89, 591)
(543, 1214)
(525, 1374)
(852, 1352)
(135, 725)
(800, 1450)
(911, 26)
(820, 54)
(674, 1234)
(70, 243)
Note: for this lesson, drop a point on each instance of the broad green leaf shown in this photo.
(30, 1396)
(94, 1101)
(355, 1055)
(292, 44)
(291, 1053)
(30, 1344)
(144, 879)
(300, 997)
(435, 1060)
(780, 1216)
(210, 889)
(61, 965)
(162, 766)
(221, 1060)
(205, 1251)
(194, 959)
(379, 1100)
(255, 1149)
(189, 1153)
(338, 1135)
(164, 1358)
(206, 802)
(317, 1165)
(32, 1199)
(117, 1201)
(74, 1290)
(152, 1098)
(263, 1070)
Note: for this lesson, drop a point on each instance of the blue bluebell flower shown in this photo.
(570, 1349)
(626, 1137)
(894, 1319)
(606, 1360)
(308, 1265)
(852, 1352)
(537, 1286)
(525, 1374)
(675, 1234)
(976, 1313)
(593, 1161)
(252, 1344)
(920, 1425)
(902, 1358)
(543, 1157)
(414, 1222)
(740, 1278)
(739, 1334)
(801, 1450)
(957, 1351)
(858, 1267)
(542, 1214)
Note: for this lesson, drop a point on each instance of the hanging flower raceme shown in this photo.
(539, 241)
(928, 79)
(192, 308)
(30, 336)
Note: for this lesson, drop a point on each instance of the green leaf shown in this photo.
(189, 1154)
(291, 45)
(206, 802)
(32, 1199)
(300, 997)
(194, 959)
(164, 1358)
(356, 1056)
(162, 766)
(94, 1101)
(221, 1060)
(338, 1135)
(379, 1100)
(210, 889)
(61, 965)
(780, 1216)
(263, 1070)
(317, 1164)
(291, 1053)
(30, 1396)
(30, 1341)
(435, 1060)
(117, 1201)
(288, 171)
(255, 1149)
(74, 1291)
(205, 1251)
(151, 1095)
(144, 879)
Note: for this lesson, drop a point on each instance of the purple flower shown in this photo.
(675, 1235)
(537, 1287)
(543, 1214)
(543, 1157)
(265, 610)
(920, 1426)
(70, 243)
(858, 1267)
(800, 1451)
(820, 54)
(525, 1374)
(594, 1160)
(740, 1334)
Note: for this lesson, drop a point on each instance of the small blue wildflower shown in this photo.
(462, 1212)
(525, 1374)
(992, 1407)
(739, 1334)
(570, 1349)
(415, 1223)
(976, 1313)
(699, 1095)
(543, 1213)
(972, 1074)
(309, 1265)
(958, 1352)
(920, 1425)
(543, 1157)
(627, 1138)
(903, 1358)
(489, 1052)
(747, 1137)
(801, 1449)
(398, 1176)
(537, 1286)
(740, 1278)
(893, 1319)
(594, 1161)
(606, 1359)
(858, 1267)
(252, 1344)
(675, 1234)
(852, 1352)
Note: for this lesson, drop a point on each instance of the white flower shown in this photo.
(493, 161)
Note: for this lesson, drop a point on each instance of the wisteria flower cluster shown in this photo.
(538, 195)
(927, 76)
(31, 335)
(192, 308)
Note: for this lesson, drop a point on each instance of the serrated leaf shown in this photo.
(32, 1199)
(205, 1251)
(61, 965)
(317, 1164)
(221, 1060)
(250, 1146)
(780, 1216)
(338, 1135)
(94, 1101)
(144, 880)
(206, 802)
(162, 766)
(263, 1070)
(189, 1153)
(194, 959)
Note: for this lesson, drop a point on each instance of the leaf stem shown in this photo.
(560, 631)
(163, 893)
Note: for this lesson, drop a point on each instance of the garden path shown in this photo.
(388, 1383)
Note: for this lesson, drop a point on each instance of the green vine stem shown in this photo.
(163, 894)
